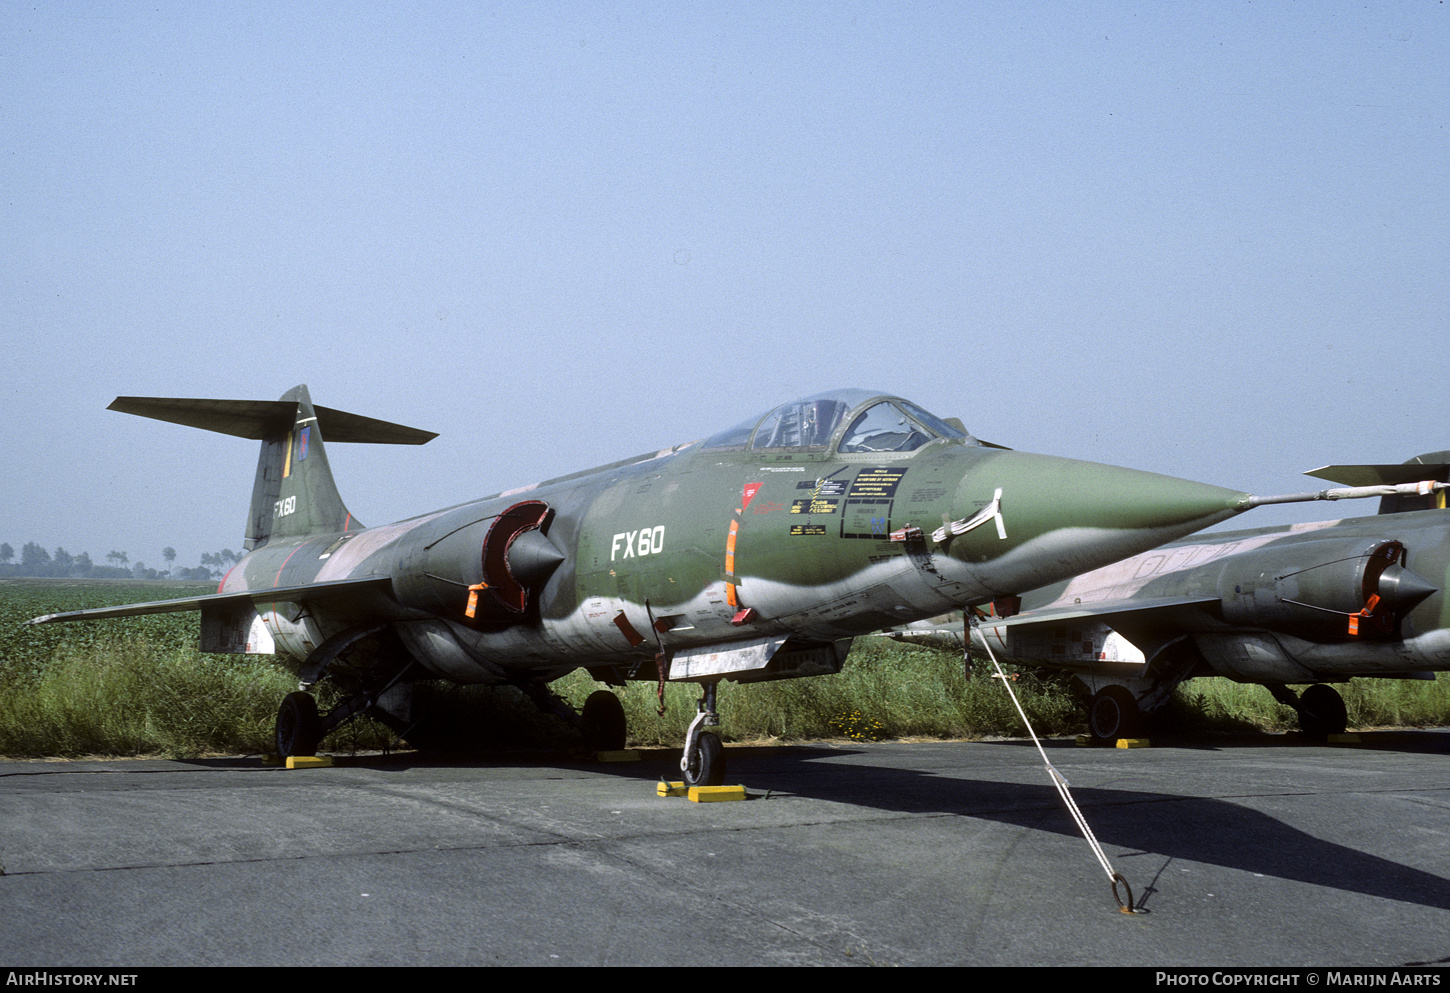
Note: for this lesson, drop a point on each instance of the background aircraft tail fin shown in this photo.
(294, 493)
(1433, 466)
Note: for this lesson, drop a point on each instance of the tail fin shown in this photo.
(294, 494)
(1434, 466)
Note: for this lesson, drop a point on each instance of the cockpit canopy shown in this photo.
(856, 421)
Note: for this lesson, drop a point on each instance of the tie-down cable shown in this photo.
(1114, 878)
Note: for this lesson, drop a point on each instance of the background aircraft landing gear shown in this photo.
(1113, 714)
(703, 763)
(1320, 708)
(299, 729)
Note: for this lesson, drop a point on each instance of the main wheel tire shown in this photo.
(299, 729)
(707, 765)
(602, 722)
(1322, 712)
(1113, 714)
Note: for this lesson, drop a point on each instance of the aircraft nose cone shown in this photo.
(1107, 496)
(1063, 516)
(1046, 493)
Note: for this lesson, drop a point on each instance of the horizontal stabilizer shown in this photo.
(281, 594)
(1382, 475)
(256, 419)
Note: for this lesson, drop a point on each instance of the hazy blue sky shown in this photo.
(1204, 239)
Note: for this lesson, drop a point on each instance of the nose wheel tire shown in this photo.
(299, 729)
(706, 765)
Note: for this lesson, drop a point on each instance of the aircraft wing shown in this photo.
(1124, 609)
(281, 594)
(1080, 632)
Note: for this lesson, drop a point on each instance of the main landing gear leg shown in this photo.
(602, 722)
(703, 763)
(1320, 708)
(300, 728)
(1113, 714)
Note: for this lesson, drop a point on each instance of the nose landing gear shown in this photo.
(703, 763)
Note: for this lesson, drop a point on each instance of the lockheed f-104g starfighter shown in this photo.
(755, 554)
(1318, 604)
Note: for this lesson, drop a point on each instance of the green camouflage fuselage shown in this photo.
(701, 546)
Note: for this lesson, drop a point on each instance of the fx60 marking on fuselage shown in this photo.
(651, 542)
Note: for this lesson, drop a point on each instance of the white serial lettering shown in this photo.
(635, 544)
(284, 507)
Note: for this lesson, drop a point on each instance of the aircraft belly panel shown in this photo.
(294, 629)
(718, 660)
(880, 595)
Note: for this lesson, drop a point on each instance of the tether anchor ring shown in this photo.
(1125, 907)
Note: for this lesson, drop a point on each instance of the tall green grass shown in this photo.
(885, 690)
(125, 687)
(1216, 704)
(130, 696)
(138, 686)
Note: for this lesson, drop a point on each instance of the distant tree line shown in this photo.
(36, 561)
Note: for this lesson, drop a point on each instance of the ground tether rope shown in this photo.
(1114, 878)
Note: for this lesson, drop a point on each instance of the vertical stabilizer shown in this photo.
(294, 494)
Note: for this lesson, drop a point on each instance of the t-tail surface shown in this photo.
(1303, 604)
(755, 554)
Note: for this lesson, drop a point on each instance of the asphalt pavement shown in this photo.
(1256, 851)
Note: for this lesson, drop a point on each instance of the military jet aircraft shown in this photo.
(754, 554)
(1313, 603)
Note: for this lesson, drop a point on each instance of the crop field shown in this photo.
(138, 686)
